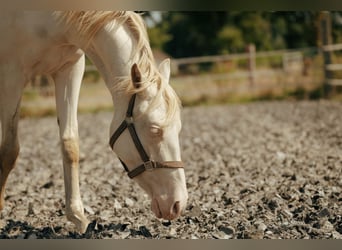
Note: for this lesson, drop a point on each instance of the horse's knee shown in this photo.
(70, 150)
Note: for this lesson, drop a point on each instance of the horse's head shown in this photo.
(145, 136)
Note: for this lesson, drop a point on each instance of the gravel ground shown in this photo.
(260, 170)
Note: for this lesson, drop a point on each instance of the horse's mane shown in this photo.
(88, 23)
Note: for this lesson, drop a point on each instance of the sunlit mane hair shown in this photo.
(88, 23)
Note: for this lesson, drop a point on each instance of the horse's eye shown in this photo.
(156, 131)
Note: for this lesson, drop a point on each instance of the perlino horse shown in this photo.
(144, 132)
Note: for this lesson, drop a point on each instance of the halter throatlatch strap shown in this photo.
(147, 163)
(124, 124)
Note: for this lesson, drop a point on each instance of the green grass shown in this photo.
(94, 97)
(299, 93)
(30, 95)
(193, 91)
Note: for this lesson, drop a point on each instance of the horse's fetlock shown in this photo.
(74, 207)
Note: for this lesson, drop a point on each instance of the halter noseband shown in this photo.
(148, 164)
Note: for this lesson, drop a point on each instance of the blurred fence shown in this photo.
(331, 66)
(253, 74)
(288, 60)
(244, 72)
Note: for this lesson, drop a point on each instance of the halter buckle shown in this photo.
(149, 165)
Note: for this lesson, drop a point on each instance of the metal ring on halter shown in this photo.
(129, 120)
(149, 165)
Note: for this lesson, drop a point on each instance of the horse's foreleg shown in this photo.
(10, 96)
(68, 83)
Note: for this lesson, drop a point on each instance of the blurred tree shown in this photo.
(183, 34)
(336, 17)
(255, 29)
(193, 33)
(230, 39)
(299, 27)
(158, 32)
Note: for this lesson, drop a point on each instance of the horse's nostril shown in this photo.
(176, 208)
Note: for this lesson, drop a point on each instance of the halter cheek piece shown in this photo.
(148, 164)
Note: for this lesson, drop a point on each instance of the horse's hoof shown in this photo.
(82, 226)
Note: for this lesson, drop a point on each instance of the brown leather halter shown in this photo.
(148, 164)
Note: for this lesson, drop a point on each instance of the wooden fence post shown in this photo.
(325, 39)
(251, 63)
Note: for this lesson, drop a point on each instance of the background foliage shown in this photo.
(183, 34)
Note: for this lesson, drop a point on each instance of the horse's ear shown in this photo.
(136, 76)
(164, 68)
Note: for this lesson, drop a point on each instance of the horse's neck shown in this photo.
(111, 52)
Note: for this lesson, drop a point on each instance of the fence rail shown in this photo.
(230, 57)
(332, 66)
(289, 53)
(289, 56)
(332, 47)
